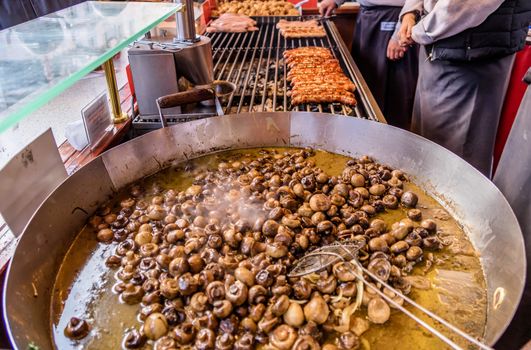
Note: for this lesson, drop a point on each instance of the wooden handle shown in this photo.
(185, 97)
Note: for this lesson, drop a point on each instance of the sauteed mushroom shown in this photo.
(134, 339)
(214, 259)
(77, 328)
(283, 337)
(155, 326)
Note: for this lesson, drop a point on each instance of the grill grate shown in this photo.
(254, 62)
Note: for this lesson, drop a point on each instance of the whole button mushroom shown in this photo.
(409, 199)
(348, 341)
(320, 202)
(205, 339)
(184, 333)
(77, 328)
(343, 271)
(306, 342)
(134, 340)
(378, 311)
(155, 326)
(237, 293)
(316, 309)
(283, 337)
(294, 316)
(105, 235)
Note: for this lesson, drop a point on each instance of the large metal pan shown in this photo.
(471, 198)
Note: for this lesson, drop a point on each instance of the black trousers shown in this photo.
(13, 12)
(392, 83)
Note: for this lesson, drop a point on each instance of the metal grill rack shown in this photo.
(254, 62)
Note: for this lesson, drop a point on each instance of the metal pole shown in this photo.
(117, 115)
(185, 20)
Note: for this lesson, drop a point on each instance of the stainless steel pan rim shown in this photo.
(465, 192)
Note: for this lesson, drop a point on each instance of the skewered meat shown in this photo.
(300, 29)
(317, 77)
(232, 23)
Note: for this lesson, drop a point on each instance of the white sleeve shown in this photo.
(450, 17)
(412, 6)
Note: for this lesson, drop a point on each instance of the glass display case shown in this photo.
(41, 58)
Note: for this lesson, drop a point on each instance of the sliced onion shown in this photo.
(301, 302)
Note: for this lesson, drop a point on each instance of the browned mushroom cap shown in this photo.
(264, 278)
(268, 323)
(105, 235)
(316, 309)
(276, 250)
(184, 333)
(187, 284)
(134, 340)
(327, 285)
(283, 337)
(294, 316)
(270, 228)
(178, 266)
(237, 293)
(343, 271)
(280, 305)
(169, 288)
(77, 328)
(306, 342)
(429, 225)
(414, 253)
(320, 202)
(347, 289)
(414, 214)
(245, 342)
(381, 267)
(348, 341)
(329, 346)
(256, 312)
(244, 275)
(222, 308)
(378, 311)
(199, 302)
(224, 341)
(257, 295)
(132, 294)
(302, 289)
(196, 263)
(409, 199)
(165, 343)
(205, 339)
(155, 326)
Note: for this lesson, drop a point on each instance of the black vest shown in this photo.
(501, 34)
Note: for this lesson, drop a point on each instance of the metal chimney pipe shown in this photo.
(186, 21)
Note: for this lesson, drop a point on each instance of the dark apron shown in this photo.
(458, 106)
(392, 83)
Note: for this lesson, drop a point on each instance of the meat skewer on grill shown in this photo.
(317, 77)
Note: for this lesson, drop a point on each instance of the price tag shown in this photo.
(97, 120)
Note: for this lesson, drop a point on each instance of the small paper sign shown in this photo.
(97, 120)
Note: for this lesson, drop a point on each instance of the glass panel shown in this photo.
(41, 58)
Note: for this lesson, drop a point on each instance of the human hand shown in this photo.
(404, 34)
(394, 50)
(326, 7)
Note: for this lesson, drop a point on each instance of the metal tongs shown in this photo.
(325, 256)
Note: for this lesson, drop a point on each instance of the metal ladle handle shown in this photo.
(182, 98)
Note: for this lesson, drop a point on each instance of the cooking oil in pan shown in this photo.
(454, 287)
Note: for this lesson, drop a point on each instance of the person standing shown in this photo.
(467, 52)
(389, 69)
